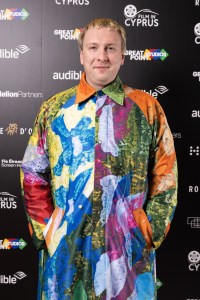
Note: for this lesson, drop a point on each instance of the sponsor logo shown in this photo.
(72, 2)
(148, 54)
(7, 201)
(161, 89)
(12, 279)
(194, 222)
(70, 75)
(194, 260)
(10, 163)
(20, 94)
(22, 49)
(194, 150)
(13, 54)
(10, 14)
(144, 17)
(13, 129)
(195, 114)
(197, 3)
(193, 188)
(196, 74)
(7, 244)
(69, 34)
(176, 135)
(197, 33)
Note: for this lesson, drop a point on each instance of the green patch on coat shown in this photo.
(79, 292)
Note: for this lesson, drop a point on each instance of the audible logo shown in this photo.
(70, 75)
(13, 54)
(195, 114)
(12, 279)
(161, 89)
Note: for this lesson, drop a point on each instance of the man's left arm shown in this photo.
(162, 192)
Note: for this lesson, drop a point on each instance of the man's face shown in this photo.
(101, 56)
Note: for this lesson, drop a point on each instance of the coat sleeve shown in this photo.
(162, 179)
(35, 180)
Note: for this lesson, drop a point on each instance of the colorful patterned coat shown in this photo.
(95, 164)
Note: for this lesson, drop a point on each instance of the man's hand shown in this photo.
(144, 226)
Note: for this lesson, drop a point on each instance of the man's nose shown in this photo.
(102, 55)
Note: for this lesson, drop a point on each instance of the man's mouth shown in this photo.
(101, 67)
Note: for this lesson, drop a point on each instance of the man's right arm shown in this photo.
(35, 181)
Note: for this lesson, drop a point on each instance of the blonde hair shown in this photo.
(101, 23)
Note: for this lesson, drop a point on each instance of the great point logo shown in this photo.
(8, 244)
(13, 53)
(196, 74)
(7, 201)
(10, 14)
(67, 34)
(194, 260)
(143, 17)
(147, 54)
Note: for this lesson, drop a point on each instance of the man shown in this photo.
(99, 180)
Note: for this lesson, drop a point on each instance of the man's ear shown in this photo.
(81, 57)
(123, 58)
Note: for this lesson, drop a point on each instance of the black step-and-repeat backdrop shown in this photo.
(39, 57)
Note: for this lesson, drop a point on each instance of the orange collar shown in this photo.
(84, 90)
(114, 90)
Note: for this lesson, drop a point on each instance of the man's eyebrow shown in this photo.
(95, 43)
